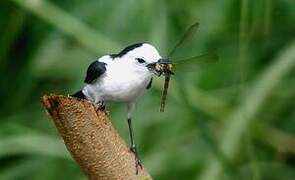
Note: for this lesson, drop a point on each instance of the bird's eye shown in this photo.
(140, 60)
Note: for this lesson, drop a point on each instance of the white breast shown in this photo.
(123, 82)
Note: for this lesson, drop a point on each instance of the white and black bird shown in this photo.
(122, 77)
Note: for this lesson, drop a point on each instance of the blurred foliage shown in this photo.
(230, 120)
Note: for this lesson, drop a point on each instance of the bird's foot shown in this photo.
(137, 158)
(101, 107)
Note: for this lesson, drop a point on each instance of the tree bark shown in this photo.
(91, 139)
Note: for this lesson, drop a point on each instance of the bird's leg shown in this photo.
(133, 147)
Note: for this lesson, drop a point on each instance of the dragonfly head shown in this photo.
(166, 67)
(162, 67)
(164, 61)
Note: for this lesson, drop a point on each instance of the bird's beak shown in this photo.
(155, 68)
(151, 66)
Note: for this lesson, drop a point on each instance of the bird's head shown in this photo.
(144, 57)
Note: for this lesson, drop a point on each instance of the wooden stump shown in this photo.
(91, 139)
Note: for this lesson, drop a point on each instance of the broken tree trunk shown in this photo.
(92, 141)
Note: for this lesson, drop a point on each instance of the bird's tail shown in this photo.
(79, 94)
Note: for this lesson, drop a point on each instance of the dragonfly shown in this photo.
(167, 67)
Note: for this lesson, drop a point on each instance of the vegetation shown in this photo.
(234, 119)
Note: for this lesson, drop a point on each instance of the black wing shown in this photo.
(94, 71)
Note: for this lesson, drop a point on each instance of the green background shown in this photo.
(234, 119)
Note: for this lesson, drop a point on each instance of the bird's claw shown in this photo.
(101, 106)
(138, 164)
(137, 158)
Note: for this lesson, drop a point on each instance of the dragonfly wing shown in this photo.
(186, 36)
(196, 62)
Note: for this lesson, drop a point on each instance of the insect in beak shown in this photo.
(166, 67)
(155, 68)
(162, 67)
